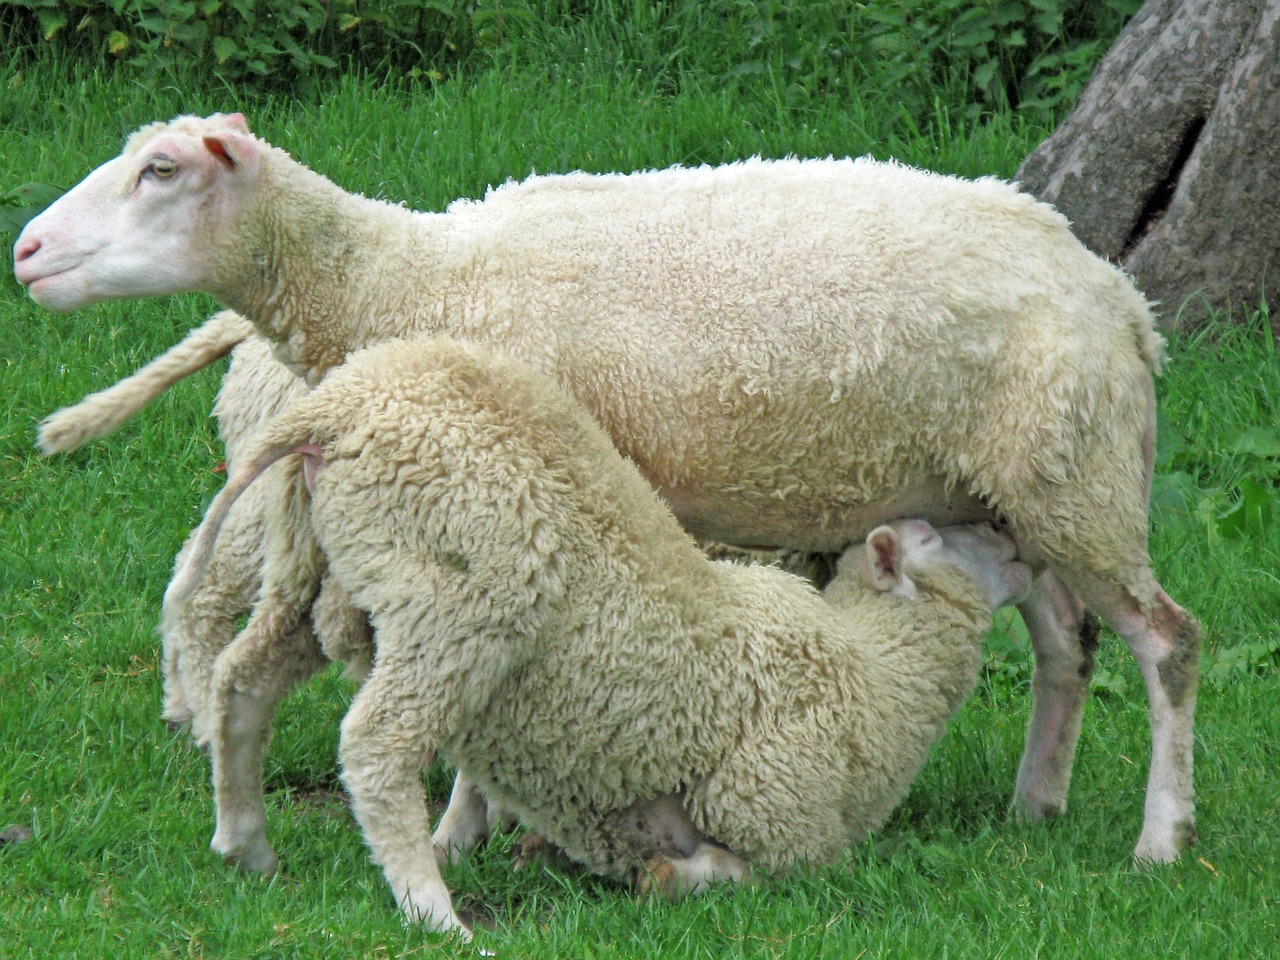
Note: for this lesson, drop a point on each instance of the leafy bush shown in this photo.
(1012, 54)
(20, 204)
(1031, 54)
(257, 39)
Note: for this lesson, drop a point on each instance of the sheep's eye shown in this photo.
(162, 168)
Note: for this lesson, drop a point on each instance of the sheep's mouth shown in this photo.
(32, 283)
(31, 278)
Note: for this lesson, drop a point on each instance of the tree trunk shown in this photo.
(1167, 165)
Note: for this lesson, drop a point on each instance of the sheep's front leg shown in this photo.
(251, 677)
(1063, 637)
(381, 752)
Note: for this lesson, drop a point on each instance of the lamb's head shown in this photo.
(140, 225)
(898, 556)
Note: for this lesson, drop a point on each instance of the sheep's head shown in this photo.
(144, 223)
(896, 555)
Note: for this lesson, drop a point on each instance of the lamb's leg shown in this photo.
(1165, 641)
(381, 752)
(1063, 636)
(194, 632)
(251, 677)
(674, 877)
(464, 825)
(191, 639)
(343, 630)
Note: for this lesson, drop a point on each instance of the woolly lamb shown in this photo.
(194, 633)
(541, 619)
(792, 352)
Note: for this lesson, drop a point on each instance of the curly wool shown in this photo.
(542, 619)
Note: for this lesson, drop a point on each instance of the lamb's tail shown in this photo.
(100, 413)
(191, 570)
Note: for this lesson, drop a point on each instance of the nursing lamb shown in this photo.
(541, 619)
(792, 352)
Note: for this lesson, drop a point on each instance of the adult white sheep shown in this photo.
(793, 352)
(542, 620)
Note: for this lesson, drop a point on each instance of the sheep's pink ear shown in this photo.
(236, 122)
(883, 559)
(232, 150)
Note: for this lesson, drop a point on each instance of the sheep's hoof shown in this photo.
(254, 859)
(1159, 847)
(1035, 810)
(177, 718)
(658, 878)
(533, 849)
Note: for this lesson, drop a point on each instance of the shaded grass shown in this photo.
(120, 808)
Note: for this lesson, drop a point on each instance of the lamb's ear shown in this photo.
(232, 150)
(883, 559)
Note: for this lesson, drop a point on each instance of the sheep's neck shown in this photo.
(320, 267)
(958, 618)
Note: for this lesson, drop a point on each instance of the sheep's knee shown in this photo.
(1179, 668)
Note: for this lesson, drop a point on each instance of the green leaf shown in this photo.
(51, 21)
(1254, 511)
(1173, 493)
(1258, 442)
(978, 35)
(38, 195)
(224, 48)
(984, 73)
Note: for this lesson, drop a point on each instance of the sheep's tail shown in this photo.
(192, 567)
(100, 413)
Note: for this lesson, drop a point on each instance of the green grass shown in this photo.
(120, 807)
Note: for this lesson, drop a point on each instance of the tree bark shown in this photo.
(1167, 165)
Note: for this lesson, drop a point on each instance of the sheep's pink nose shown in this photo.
(25, 248)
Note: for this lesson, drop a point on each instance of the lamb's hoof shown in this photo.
(533, 849)
(477, 918)
(657, 878)
(15, 834)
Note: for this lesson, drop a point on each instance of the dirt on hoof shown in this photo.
(657, 878)
(534, 849)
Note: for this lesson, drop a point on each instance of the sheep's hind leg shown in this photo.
(193, 635)
(381, 752)
(1063, 637)
(1165, 641)
(251, 677)
(675, 877)
(464, 825)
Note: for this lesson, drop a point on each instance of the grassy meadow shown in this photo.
(117, 810)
